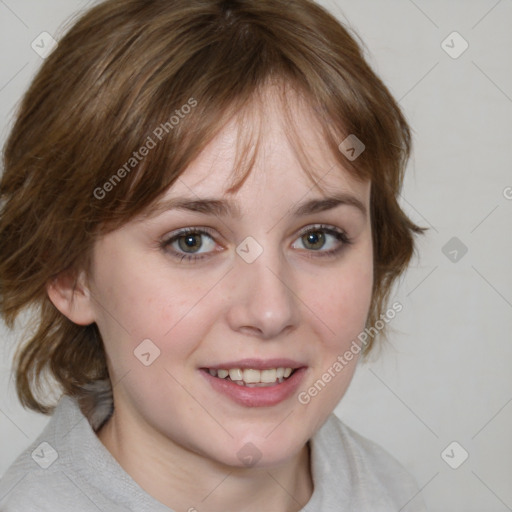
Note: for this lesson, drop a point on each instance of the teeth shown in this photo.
(252, 377)
(268, 375)
(236, 374)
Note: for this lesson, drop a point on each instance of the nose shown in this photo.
(263, 300)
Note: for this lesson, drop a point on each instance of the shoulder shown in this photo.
(35, 481)
(45, 476)
(377, 479)
(25, 488)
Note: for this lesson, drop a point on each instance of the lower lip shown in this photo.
(256, 396)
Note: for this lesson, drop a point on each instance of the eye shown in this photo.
(318, 237)
(186, 244)
(193, 244)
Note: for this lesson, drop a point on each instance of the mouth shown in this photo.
(252, 377)
(255, 383)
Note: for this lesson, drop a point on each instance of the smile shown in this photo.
(255, 382)
(252, 377)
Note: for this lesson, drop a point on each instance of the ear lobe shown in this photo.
(70, 295)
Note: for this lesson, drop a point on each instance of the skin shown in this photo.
(171, 431)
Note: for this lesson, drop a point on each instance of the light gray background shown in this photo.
(446, 376)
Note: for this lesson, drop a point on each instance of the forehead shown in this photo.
(282, 141)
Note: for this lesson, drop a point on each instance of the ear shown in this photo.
(70, 295)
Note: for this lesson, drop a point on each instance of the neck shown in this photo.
(184, 480)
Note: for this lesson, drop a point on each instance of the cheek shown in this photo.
(341, 301)
(137, 301)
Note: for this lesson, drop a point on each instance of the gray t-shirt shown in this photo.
(67, 469)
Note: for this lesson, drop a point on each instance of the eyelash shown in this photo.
(341, 236)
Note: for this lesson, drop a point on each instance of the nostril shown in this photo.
(252, 331)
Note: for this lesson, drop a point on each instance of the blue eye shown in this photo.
(193, 244)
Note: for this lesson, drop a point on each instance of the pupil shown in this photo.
(190, 242)
(315, 238)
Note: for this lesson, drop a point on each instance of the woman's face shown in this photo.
(261, 280)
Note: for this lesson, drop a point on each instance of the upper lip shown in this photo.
(257, 364)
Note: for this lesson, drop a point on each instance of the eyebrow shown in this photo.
(223, 208)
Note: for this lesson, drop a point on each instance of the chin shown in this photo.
(253, 451)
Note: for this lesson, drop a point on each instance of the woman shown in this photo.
(200, 198)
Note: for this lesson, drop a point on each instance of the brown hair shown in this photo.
(121, 78)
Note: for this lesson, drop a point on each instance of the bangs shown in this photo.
(172, 146)
(181, 97)
(248, 114)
